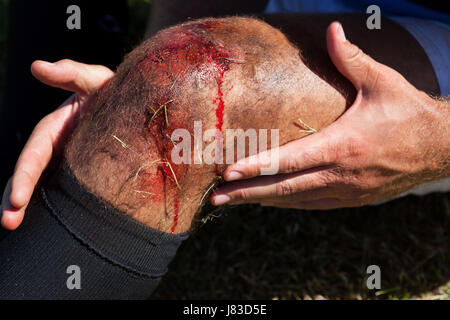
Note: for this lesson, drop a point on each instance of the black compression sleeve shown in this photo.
(65, 225)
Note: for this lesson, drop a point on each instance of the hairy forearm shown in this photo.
(441, 136)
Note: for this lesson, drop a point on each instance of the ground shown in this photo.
(250, 252)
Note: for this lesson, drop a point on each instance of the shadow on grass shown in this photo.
(252, 252)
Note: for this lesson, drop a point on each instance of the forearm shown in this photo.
(439, 133)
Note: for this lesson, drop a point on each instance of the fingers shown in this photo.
(309, 152)
(268, 188)
(11, 216)
(38, 152)
(31, 163)
(350, 60)
(44, 141)
(72, 76)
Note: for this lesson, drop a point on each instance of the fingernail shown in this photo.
(50, 64)
(221, 199)
(234, 175)
(340, 32)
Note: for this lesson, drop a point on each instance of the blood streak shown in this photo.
(219, 120)
(175, 216)
(183, 50)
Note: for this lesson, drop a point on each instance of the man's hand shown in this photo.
(46, 140)
(392, 138)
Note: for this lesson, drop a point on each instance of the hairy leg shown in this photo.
(235, 73)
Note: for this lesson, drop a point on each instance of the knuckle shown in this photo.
(290, 164)
(330, 177)
(25, 173)
(316, 155)
(252, 170)
(347, 177)
(247, 171)
(45, 121)
(284, 188)
(65, 61)
(330, 155)
(354, 53)
(39, 160)
(73, 70)
(374, 77)
(355, 147)
(242, 194)
(327, 152)
(41, 125)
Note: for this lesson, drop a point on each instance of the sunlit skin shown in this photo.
(346, 164)
(215, 71)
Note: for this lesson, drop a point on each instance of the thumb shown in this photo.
(350, 60)
(72, 76)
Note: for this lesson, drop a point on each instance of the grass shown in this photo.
(174, 176)
(156, 111)
(302, 124)
(123, 144)
(253, 252)
(250, 252)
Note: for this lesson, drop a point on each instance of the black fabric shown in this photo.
(65, 225)
(37, 30)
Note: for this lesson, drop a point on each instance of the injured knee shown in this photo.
(230, 73)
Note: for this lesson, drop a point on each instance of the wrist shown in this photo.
(438, 153)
